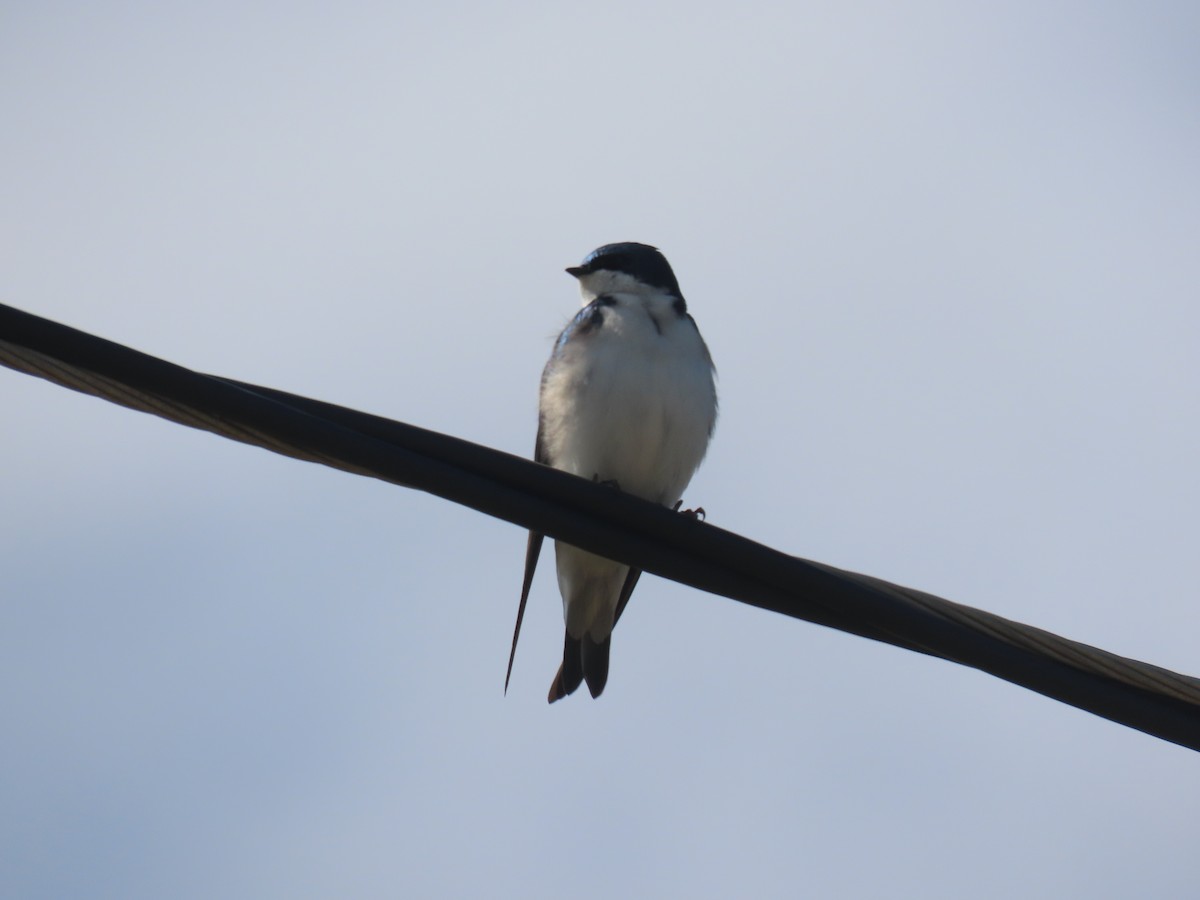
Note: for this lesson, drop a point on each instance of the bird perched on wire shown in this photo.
(628, 398)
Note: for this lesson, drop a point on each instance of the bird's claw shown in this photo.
(698, 513)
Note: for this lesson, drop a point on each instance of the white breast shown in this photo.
(632, 401)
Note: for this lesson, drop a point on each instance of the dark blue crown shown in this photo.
(641, 261)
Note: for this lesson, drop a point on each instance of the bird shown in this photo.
(628, 399)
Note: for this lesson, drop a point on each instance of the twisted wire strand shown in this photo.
(1134, 693)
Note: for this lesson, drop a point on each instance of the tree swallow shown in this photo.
(628, 398)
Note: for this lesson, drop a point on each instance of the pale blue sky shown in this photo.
(946, 259)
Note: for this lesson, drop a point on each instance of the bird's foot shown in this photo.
(608, 482)
(698, 513)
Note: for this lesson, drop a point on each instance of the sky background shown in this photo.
(946, 259)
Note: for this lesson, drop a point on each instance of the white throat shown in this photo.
(596, 284)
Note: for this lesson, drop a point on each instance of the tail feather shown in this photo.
(583, 660)
(570, 673)
(595, 663)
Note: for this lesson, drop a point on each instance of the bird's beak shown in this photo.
(576, 271)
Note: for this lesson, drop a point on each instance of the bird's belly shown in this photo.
(646, 430)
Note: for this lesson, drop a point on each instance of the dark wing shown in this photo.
(631, 580)
(533, 549)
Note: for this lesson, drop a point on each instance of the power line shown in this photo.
(1142, 696)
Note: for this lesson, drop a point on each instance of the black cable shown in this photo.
(614, 525)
